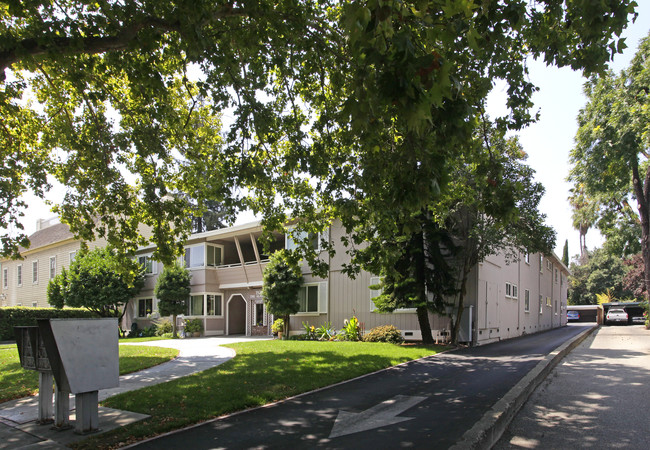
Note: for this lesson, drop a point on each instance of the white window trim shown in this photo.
(19, 271)
(549, 302)
(72, 256)
(35, 272)
(515, 292)
(527, 258)
(526, 301)
(34, 304)
(541, 264)
(205, 255)
(49, 267)
(136, 304)
(205, 304)
(541, 305)
(5, 278)
(311, 313)
(322, 235)
(154, 264)
(508, 292)
(205, 258)
(377, 280)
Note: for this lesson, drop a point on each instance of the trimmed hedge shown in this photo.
(22, 316)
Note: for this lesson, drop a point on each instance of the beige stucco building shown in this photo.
(504, 299)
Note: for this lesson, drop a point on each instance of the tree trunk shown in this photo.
(425, 326)
(286, 327)
(641, 189)
(461, 305)
(420, 280)
(174, 335)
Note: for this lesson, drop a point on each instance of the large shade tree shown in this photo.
(356, 104)
(610, 158)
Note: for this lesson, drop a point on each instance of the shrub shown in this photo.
(351, 330)
(277, 326)
(164, 326)
(23, 317)
(385, 333)
(325, 332)
(193, 326)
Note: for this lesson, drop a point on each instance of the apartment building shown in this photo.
(504, 298)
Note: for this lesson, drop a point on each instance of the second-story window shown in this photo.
(19, 275)
(214, 257)
(148, 264)
(5, 278)
(35, 272)
(52, 267)
(195, 256)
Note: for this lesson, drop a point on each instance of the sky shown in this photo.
(547, 142)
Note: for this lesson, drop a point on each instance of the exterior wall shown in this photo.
(30, 293)
(502, 316)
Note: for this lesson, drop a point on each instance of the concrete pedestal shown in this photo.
(45, 410)
(61, 410)
(86, 405)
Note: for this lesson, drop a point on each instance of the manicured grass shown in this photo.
(262, 372)
(16, 382)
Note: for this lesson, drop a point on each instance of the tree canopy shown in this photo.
(610, 159)
(335, 107)
(173, 291)
(282, 282)
(99, 280)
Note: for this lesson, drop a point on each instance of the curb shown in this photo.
(488, 430)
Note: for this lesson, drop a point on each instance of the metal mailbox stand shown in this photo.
(82, 357)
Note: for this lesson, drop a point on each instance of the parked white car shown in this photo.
(616, 315)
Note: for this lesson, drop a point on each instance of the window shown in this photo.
(526, 300)
(34, 304)
(308, 299)
(259, 314)
(314, 239)
(555, 307)
(214, 304)
(548, 301)
(194, 256)
(5, 278)
(52, 267)
(148, 264)
(511, 290)
(213, 255)
(195, 305)
(555, 275)
(145, 307)
(541, 264)
(527, 258)
(541, 305)
(549, 266)
(374, 281)
(35, 272)
(19, 274)
(73, 255)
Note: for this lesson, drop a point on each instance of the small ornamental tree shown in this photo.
(99, 280)
(282, 281)
(172, 290)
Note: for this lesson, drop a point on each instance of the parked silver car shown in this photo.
(616, 315)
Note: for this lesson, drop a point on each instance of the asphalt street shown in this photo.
(597, 398)
(427, 403)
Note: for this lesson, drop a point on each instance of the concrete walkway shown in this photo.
(597, 398)
(17, 417)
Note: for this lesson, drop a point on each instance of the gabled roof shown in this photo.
(47, 236)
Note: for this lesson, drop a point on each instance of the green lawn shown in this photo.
(16, 382)
(142, 339)
(262, 372)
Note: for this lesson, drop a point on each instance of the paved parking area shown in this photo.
(597, 398)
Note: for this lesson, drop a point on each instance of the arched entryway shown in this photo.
(236, 310)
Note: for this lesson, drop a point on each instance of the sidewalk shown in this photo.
(597, 397)
(17, 417)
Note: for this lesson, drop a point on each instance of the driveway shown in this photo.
(597, 398)
(428, 403)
